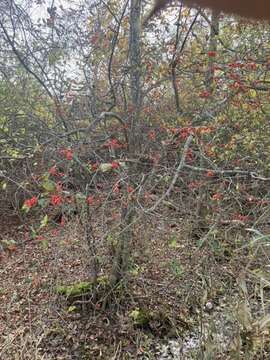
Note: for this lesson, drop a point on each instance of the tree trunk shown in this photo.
(209, 79)
(121, 258)
(135, 75)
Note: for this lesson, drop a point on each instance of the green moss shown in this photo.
(74, 289)
(82, 287)
(103, 280)
(140, 317)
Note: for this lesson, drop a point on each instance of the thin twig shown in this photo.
(176, 175)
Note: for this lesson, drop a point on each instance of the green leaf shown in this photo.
(48, 185)
(105, 167)
(8, 242)
(25, 208)
(71, 308)
(33, 232)
(43, 202)
(44, 221)
(176, 268)
(80, 197)
(173, 243)
(44, 243)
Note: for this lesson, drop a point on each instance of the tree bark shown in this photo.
(214, 31)
(135, 75)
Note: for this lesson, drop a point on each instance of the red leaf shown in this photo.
(115, 165)
(56, 200)
(31, 202)
(212, 53)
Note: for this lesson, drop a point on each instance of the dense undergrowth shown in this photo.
(134, 183)
(197, 258)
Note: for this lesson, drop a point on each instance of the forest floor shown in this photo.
(181, 300)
